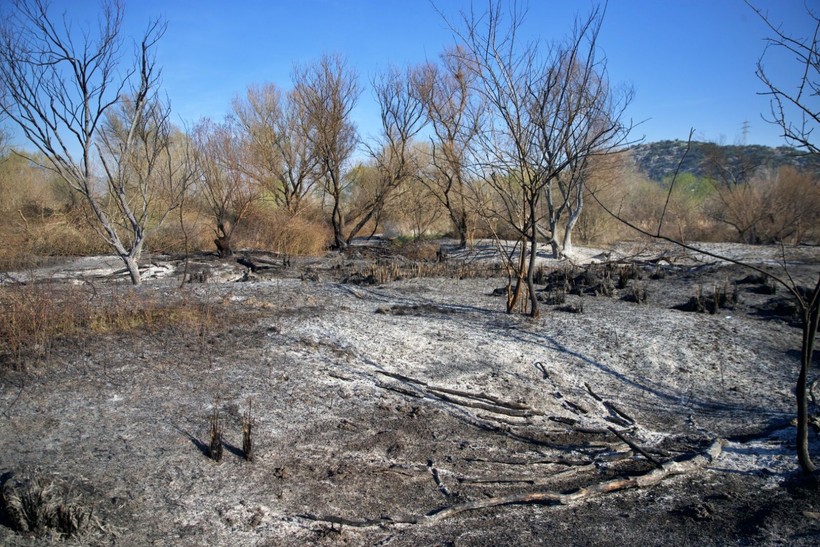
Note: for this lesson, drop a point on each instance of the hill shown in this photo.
(660, 159)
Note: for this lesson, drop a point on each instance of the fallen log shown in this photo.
(670, 468)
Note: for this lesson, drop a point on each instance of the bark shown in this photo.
(132, 265)
(339, 241)
(571, 222)
(811, 318)
(223, 246)
(567, 244)
(534, 312)
(512, 298)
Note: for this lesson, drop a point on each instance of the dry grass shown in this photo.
(385, 272)
(27, 240)
(417, 249)
(44, 508)
(36, 317)
(264, 228)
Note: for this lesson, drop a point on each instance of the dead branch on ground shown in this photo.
(668, 469)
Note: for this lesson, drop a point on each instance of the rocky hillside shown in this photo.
(660, 159)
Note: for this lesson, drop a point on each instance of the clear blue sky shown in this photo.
(691, 62)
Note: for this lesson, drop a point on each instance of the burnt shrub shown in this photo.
(722, 297)
(552, 298)
(571, 308)
(637, 294)
(626, 274)
(31, 504)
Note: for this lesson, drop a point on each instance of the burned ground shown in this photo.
(382, 407)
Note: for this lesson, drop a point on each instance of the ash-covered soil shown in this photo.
(406, 412)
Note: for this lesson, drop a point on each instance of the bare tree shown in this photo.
(326, 92)
(794, 108)
(148, 166)
(807, 301)
(59, 85)
(739, 204)
(419, 202)
(401, 115)
(548, 110)
(281, 157)
(578, 116)
(224, 185)
(454, 115)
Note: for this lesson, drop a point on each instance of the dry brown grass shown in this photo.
(28, 238)
(43, 508)
(419, 250)
(194, 234)
(37, 317)
(385, 272)
(774, 206)
(264, 228)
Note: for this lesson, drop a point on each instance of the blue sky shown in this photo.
(690, 62)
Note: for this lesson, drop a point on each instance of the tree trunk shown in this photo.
(534, 312)
(811, 317)
(223, 246)
(567, 245)
(571, 221)
(133, 269)
(556, 248)
(512, 298)
(339, 241)
(459, 219)
(374, 210)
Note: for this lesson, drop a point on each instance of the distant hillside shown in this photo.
(660, 159)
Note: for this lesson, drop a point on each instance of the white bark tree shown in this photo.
(60, 85)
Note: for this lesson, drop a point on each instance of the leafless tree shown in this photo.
(59, 86)
(420, 204)
(737, 200)
(549, 108)
(149, 167)
(281, 157)
(806, 299)
(584, 120)
(326, 92)
(795, 109)
(793, 105)
(454, 114)
(402, 115)
(227, 190)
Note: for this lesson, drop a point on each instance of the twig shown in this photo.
(635, 447)
(16, 398)
(674, 179)
(247, 432)
(486, 397)
(615, 410)
(594, 395)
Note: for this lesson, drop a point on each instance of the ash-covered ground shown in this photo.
(415, 411)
